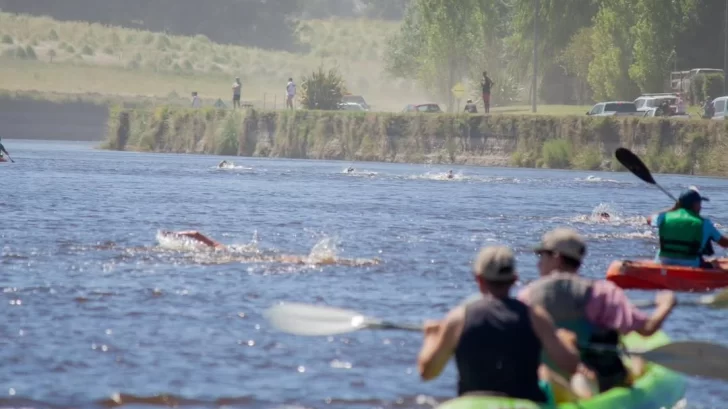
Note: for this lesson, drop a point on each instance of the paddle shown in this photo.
(696, 358)
(311, 320)
(635, 165)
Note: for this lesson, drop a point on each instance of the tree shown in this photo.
(441, 42)
(576, 58)
(322, 90)
(612, 42)
(659, 23)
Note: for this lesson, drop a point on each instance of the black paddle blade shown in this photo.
(635, 165)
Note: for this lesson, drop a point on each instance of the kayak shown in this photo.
(648, 275)
(658, 387)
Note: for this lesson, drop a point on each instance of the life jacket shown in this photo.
(681, 235)
(499, 351)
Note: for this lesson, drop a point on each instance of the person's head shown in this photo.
(485, 73)
(495, 270)
(194, 93)
(470, 101)
(290, 79)
(691, 199)
(604, 215)
(561, 249)
(237, 79)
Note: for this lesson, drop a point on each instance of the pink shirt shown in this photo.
(608, 307)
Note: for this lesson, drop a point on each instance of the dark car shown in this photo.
(429, 108)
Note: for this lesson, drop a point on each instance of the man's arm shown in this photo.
(564, 354)
(609, 307)
(715, 235)
(439, 344)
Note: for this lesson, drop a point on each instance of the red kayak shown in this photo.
(648, 275)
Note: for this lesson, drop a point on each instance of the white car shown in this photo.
(647, 102)
(352, 106)
(650, 113)
(614, 108)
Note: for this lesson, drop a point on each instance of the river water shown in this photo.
(99, 310)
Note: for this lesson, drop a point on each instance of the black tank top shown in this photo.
(498, 350)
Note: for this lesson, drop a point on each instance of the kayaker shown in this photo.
(684, 234)
(2, 149)
(450, 175)
(496, 340)
(597, 311)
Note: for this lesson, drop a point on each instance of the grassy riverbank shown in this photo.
(568, 142)
(47, 55)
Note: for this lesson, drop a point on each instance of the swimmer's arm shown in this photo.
(564, 353)
(439, 344)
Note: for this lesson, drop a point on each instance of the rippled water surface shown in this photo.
(97, 310)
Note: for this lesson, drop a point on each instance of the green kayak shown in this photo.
(657, 388)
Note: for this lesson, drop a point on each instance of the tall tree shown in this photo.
(612, 41)
(658, 24)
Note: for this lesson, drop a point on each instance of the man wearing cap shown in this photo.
(684, 234)
(496, 340)
(596, 311)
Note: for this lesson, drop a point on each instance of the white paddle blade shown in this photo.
(313, 320)
(694, 358)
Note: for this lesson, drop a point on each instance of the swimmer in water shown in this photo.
(196, 236)
(223, 164)
(450, 175)
(604, 216)
(350, 170)
(281, 258)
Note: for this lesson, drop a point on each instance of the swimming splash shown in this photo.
(208, 251)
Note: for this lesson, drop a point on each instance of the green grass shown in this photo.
(90, 57)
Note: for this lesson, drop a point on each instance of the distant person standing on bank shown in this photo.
(237, 86)
(485, 85)
(290, 93)
(196, 101)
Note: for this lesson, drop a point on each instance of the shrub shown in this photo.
(30, 53)
(322, 90)
(20, 53)
(87, 50)
(713, 85)
(7, 39)
(556, 154)
(52, 35)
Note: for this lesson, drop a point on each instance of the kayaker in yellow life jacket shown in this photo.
(496, 340)
(597, 311)
(684, 234)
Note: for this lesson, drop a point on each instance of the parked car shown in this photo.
(615, 108)
(357, 99)
(720, 105)
(428, 107)
(650, 113)
(352, 106)
(648, 101)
